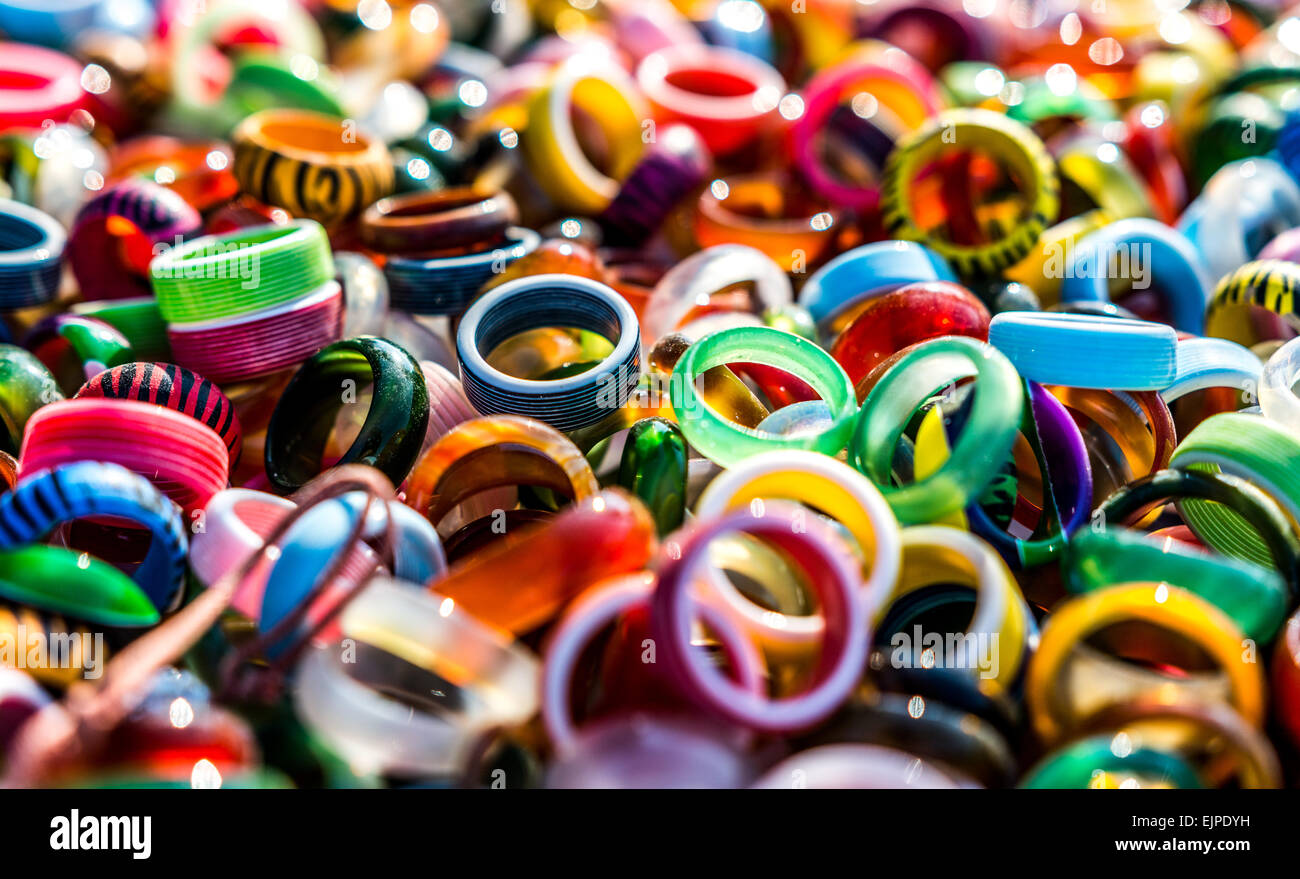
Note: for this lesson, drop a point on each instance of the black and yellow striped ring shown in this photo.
(994, 134)
(1267, 283)
(312, 165)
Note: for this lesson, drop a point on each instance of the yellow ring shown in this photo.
(1160, 604)
(1008, 140)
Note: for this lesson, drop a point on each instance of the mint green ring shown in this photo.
(1073, 766)
(984, 444)
(727, 443)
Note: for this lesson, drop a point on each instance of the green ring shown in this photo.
(25, 386)
(63, 581)
(248, 270)
(394, 429)
(727, 443)
(1072, 767)
(980, 451)
(138, 319)
(1254, 596)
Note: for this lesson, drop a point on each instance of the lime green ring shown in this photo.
(727, 443)
(1253, 448)
(980, 451)
(71, 583)
(1254, 596)
(247, 270)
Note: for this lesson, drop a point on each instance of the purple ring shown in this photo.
(817, 548)
(950, 28)
(1068, 475)
(671, 168)
(157, 211)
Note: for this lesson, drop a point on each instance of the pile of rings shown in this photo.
(649, 393)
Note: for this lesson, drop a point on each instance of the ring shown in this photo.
(1011, 141)
(311, 164)
(727, 443)
(395, 423)
(1052, 706)
(184, 458)
(261, 342)
(600, 606)
(823, 555)
(835, 489)
(1254, 596)
(728, 96)
(439, 220)
(981, 450)
(166, 384)
(539, 301)
(243, 271)
(32, 245)
(448, 284)
(1081, 351)
(45, 499)
(495, 452)
(345, 703)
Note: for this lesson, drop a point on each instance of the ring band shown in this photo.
(394, 427)
(726, 442)
(1005, 138)
(550, 301)
(310, 164)
(31, 255)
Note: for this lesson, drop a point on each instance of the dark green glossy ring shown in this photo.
(654, 468)
(1259, 510)
(394, 428)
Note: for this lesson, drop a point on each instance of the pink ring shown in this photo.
(815, 546)
(822, 95)
(183, 457)
(263, 342)
(599, 607)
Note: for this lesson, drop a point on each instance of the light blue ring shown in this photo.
(1081, 351)
(1213, 363)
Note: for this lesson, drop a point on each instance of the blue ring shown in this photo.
(48, 22)
(1213, 363)
(317, 539)
(1181, 276)
(48, 498)
(845, 279)
(550, 301)
(31, 255)
(1079, 351)
(447, 285)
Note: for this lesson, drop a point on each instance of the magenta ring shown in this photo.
(816, 547)
(599, 607)
(821, 97)
(261, 343)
